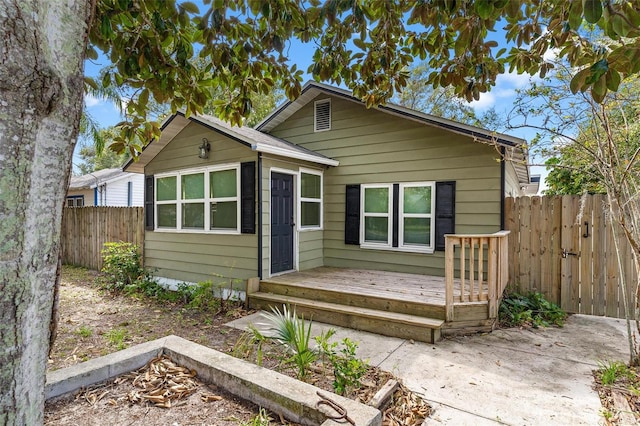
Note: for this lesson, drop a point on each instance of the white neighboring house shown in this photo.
(107, 187)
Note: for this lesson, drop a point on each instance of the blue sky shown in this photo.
(501, 96)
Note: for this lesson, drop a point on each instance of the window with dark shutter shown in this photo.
(148, 202)
(322, 116)
(248, 197)
(445, 211)
(352, 215)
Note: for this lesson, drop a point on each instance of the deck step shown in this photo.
(393, 324)
(380, 301)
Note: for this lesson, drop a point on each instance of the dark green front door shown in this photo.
(281, 222)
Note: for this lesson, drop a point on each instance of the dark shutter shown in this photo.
(352, 215)
(248, 197)
(149, 195)
(445, 211)
(396, 215)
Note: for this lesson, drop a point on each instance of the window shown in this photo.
(398, 216)
(376, 214)
(310, 196)
(75, 201)
(199, 200)
(322, 116)
(416, 215)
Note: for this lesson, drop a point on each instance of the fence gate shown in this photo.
(563, 247)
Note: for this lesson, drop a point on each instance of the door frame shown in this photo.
(296, 247)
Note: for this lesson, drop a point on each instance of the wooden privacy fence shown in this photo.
(86, 229)
(563, 247)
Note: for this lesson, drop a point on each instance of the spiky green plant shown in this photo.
(291, 331)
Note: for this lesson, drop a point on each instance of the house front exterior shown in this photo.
(107, 187)
(322, 181)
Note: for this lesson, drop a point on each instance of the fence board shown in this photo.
(535, 271)
(586, 283)
(85, 230)
(586, 256)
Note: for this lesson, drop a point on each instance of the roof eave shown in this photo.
(266, 149)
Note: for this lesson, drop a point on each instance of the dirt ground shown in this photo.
(94, 322)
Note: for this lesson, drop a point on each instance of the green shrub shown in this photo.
(121, 265)
(530, 309)
(347, 368)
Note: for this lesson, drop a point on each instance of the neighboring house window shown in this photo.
(129, 194)
(322, 116)
(202, 200)
(398, 216)
(310, 209)
(75, 201)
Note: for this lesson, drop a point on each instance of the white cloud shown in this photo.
(486, 101)
(90, 101)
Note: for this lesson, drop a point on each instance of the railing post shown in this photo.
(492, 277)
(448, 276)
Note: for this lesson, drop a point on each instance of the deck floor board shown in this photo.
(392, 285)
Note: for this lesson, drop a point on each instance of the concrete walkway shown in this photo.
(512, 376)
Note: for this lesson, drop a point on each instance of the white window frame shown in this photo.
(389, 215)
(402, 215)
(320, 200)
(207, 200)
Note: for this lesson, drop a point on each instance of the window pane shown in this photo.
(166, 189)
(224, 215)
(417, 230)
(376, 200)
(310, 186)
(310, 214)
(193, 215)
(166, 215)
(417, 199)
(223, 183)
(193, 186)
(376, 229)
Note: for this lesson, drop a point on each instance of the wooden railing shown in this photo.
(479, 264)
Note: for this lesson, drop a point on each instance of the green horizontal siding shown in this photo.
(198, 257)
(376, 147)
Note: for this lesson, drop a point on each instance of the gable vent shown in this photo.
(322, 119)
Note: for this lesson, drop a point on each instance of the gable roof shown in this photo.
(257, 141)
(514, 147)
(93, 179)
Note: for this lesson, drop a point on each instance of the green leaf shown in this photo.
(578, 80)
(613, 80)
(575, 15)
(189, 7)
(599, 90)
(484, 8)
(592, 10)
(359, 43)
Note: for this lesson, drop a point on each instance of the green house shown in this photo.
(322, 182)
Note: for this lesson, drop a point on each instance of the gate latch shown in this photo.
(566, 253)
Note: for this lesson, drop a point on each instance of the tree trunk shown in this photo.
(42, 44)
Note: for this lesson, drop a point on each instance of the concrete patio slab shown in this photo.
(509, 376)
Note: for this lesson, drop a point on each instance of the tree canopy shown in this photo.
(367, 46)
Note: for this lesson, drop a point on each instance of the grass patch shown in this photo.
(116, 338)
(84, 331)
(530, 309)
(610, 372)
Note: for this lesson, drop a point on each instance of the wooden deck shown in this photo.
(411, 306)
(390, 285)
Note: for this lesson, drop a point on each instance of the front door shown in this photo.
(281, 222)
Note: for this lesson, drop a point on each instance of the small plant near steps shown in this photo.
(332, 363)
(532, 309)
